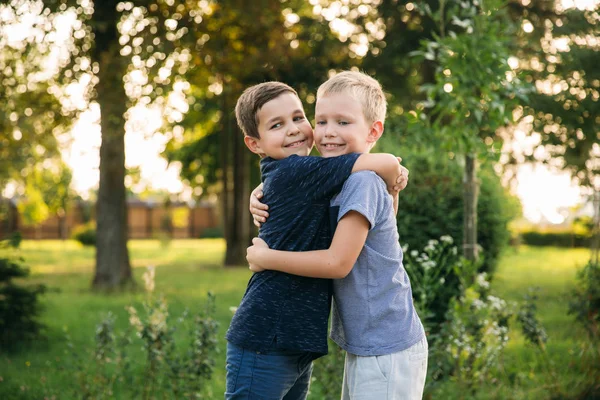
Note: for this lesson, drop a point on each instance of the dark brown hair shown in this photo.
(252, 100)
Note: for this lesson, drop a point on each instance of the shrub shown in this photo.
(556, 238)
(168, 370)
(85, 234)
(19, 304)
(329, 373)
(432, 206)
(472, 340)
(585, 303)
(212, 233)
(437, 274)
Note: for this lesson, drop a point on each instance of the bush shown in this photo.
(432, 206)
(557, 238)
(211, 233)
(169, 371)
(585, 303)
(85, 234)
(19, 304)
(437, 274)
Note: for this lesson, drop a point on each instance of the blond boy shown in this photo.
(373, 317)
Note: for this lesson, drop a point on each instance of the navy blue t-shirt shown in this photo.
(280, 310)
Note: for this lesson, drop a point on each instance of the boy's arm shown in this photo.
(335, 262)
(387, 166)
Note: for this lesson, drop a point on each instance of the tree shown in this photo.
(559, 56)
(113, 268)
(474, 91)
(34, 108)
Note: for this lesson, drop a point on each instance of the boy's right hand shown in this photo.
(258, 209)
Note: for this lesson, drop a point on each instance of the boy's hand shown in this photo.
(258, 209)
(252, 254)
(401, 181)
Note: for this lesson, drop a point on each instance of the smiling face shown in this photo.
(283, 129)
(341, 127)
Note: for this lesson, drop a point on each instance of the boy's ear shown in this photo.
(375, 132)
(253, 145)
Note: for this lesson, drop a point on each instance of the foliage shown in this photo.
(20, 305)
(328, 372)
(558, 54)
(431, 206)
(36, 106)
(585, 303)
(474, 90)
(531, 327)
(85, 234)
(436, 275)
(169, 371)
(472, 339)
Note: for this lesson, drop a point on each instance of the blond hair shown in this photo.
(363, 88)
(252, 100)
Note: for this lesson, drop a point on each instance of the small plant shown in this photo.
(329, 372)
(585, 305)
(531, 327)
(437, 274)
(19, 304)
(472, 340)
(168, 370)
(85, 234)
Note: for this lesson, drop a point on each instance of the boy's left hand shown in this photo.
(252, 254)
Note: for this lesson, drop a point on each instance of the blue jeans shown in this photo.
(271, 375)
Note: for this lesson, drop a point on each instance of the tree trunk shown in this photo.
(113, 269)
(236, 194)
(470, 195)
(595, 245)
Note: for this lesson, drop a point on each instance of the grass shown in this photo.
(187, 269)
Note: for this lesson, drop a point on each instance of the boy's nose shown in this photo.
(293, 131)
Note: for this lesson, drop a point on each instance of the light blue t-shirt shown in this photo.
(373, 312)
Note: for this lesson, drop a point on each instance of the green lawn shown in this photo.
(187, 269)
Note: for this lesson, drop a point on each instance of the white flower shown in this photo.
(478, 304)
(148, 278)
(405, 248)
(446, 239)
(482, 281)
(427, 265)
(442, 281)
(414, 253)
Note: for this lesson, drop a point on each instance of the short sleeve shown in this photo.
(317, 178)
(364, 192)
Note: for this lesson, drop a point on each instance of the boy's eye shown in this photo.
(276, 125)
(321, 122)
(343, 122)
(299, 118)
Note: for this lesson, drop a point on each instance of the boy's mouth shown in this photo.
(331, 146)
(296, 143)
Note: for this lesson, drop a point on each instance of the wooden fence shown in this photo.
(146, 220)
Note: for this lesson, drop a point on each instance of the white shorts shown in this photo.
(397, 376)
